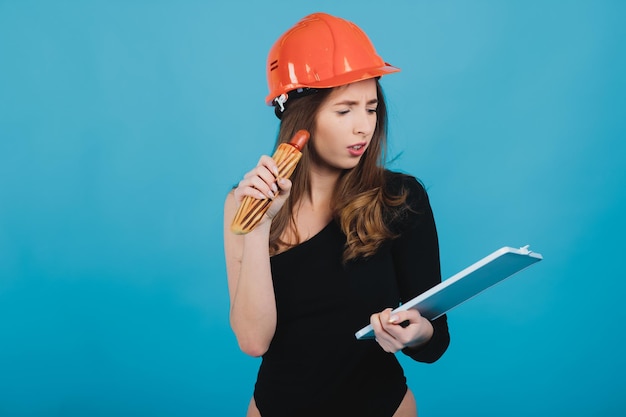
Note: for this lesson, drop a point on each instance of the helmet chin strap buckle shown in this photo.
(281, 100)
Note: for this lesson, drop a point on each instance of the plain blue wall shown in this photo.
(124, 123)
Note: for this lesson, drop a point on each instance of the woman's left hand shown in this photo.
(403, 329)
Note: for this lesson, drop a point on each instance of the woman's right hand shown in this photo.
(262, 183)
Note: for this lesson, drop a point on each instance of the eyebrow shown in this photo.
(354, 103)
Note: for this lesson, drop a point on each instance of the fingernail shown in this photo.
(271, 194)
(275, 170)
(393, 319)
(274, 187)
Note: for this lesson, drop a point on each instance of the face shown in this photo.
(345, 124)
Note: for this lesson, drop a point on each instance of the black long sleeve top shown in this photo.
(315, 365)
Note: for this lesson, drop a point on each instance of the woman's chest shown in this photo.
(311, 279)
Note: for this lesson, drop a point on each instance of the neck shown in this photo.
(322, 186)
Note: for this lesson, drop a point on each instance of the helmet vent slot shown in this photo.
(273, 65)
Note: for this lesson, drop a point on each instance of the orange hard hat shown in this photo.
(321, 51)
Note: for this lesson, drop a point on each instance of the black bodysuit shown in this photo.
(315, 366)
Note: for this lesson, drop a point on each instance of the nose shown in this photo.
(364, 122)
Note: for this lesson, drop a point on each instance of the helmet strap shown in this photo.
(281, 100)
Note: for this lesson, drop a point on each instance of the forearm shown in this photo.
(253, 307)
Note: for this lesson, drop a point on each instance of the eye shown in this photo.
(342, 112)
(372, 111)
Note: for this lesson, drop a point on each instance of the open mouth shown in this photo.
(357, 149)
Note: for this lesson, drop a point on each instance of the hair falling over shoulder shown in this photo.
(362, 204)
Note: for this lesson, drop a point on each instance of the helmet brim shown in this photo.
(337, 81)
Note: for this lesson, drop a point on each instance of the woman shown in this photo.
(345, 240)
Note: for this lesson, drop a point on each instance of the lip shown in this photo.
(357, 149)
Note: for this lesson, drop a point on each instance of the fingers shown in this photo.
(260, 182)
(402, 319)
(284, 188)
(398, 330)
(380, 323)
(284, 185)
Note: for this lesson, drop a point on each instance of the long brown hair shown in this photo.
(360, 203)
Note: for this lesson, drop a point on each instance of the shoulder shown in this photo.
(415, 208)
(397, 183)
(230, 198)
(230, 206)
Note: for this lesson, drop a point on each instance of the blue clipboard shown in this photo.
(466, 284)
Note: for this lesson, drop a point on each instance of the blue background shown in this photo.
(124, 123)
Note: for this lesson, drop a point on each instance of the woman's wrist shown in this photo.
(261, 231)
